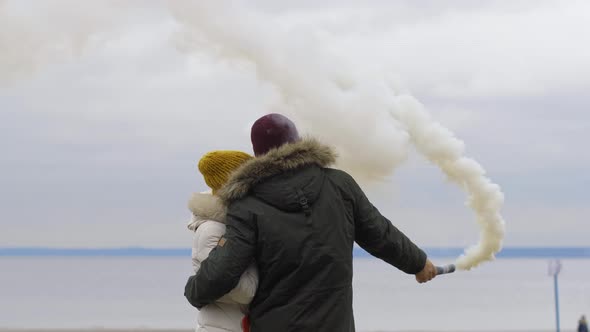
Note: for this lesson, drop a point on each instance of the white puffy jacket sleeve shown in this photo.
(206, 238)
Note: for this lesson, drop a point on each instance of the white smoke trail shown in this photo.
(440, 146)
(322, 97)
(355, 109)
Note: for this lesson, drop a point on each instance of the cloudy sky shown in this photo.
(105, 111)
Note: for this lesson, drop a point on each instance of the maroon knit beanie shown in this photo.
(272, 131)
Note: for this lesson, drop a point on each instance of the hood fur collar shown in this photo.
(205, 206)
(305, 152)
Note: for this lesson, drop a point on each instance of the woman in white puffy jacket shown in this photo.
(208, 224)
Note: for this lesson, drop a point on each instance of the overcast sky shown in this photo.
(103, 116)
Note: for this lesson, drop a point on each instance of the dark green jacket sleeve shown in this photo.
(377, 235)
(221, 271)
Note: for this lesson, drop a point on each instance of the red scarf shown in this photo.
(246, 324)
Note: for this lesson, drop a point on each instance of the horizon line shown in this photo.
(138, 251)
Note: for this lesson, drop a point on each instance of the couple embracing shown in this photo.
(274, 239)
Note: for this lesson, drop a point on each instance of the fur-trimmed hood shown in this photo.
(305, 152)
(204, 207)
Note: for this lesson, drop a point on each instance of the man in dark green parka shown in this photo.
(298, 220)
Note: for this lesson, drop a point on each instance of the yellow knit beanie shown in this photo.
(217, 166)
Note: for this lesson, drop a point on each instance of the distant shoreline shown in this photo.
(190, 330)
(95, 330)
(509, 252)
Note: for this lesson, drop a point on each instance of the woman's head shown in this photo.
(217, 166)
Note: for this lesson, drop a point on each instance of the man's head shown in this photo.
(272, 131)
(217, 166)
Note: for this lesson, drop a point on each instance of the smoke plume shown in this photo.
(356, 108)
(34, 34)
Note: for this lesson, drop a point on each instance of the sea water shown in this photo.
(131, 292)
